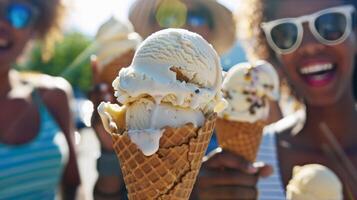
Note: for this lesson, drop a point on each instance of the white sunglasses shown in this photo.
(330, 27)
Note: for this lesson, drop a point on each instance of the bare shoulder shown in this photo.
(55, 92)
(50, 86)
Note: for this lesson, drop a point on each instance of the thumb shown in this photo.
(225, 159)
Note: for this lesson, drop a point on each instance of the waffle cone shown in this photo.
(170, 173)
(241, 138)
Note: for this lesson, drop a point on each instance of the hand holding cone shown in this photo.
(247, 90)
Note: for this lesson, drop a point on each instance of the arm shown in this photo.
(57, 99)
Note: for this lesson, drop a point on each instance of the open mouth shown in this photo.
(319, 74)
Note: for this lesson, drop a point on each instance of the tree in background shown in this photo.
(63, 61)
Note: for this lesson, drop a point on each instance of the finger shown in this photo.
(104, 138)
(95, 70)
(229, 160)
(226, 177)
(264, 170)
(229, 192)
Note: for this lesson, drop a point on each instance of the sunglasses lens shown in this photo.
(284, 35)
(196, 20)
(331, 26)
(19, 15)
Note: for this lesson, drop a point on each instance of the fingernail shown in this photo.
(251, 169)
(258, 164)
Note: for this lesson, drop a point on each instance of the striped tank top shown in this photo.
(33, 170)
(272, 187)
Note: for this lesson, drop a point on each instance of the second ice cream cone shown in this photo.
(247, 88)
(241, 138)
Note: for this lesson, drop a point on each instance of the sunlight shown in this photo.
(87, 15)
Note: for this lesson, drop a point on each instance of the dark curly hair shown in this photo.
(49, 22)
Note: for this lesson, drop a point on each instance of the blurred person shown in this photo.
(209, 18)
(315, 48)
(37, 153)
(115, 46)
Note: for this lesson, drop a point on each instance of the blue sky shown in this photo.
(87, 15)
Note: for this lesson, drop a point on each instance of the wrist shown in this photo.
(102, 194)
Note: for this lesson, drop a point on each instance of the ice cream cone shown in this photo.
(110, 70)
(170, 173)
(241, 138)
(167, 121)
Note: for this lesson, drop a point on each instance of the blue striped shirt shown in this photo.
(33, 170)
(270, 188)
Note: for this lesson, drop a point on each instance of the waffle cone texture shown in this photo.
(171, 172)
(241, 138)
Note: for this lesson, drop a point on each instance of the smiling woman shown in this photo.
(315, 48)
(36, 130)
(22, 16)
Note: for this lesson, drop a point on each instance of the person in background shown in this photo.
(37, 152)
(315, 48)
(115, 46)
(209, 18)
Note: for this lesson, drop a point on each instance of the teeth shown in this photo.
(316, 68)
(3, 42)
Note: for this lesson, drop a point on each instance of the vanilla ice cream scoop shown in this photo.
(113, 39)
(247, 89)
(175, 66)
(174, 79)
(146, 119)
(157, 116)
(314, 182)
